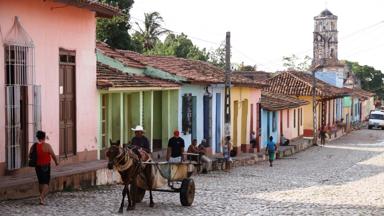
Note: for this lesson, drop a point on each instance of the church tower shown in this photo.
(325, 41)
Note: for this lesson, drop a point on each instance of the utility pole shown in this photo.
(314, 106)
(314, 101)
(227, 112)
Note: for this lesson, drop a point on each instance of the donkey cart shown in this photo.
(177, 178)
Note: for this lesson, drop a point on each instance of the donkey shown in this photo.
(128, 165)
(130, 168)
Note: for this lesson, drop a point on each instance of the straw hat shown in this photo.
(138, 128)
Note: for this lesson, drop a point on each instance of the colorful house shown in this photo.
(366, 102)
(245, 106)
(200, 111)
(49, 78)
(299, 84)
(347, 112)
(129, 98)
(281, 115)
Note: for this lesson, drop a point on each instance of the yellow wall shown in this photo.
(308, 113)
(347, 112)
(243, 98)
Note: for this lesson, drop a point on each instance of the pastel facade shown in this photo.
(58, 67)
(292, 122)
(128, 97)
(281, 115)
(347, 111)
(200, 102)
(244, 115)
(207, 114)
(299, 84)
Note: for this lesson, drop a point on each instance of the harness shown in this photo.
(126, 158)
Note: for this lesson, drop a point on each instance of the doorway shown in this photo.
(67, 91)
(218, 122)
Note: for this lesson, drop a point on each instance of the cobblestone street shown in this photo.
(343, 178)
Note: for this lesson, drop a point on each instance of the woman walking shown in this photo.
(271, 150)
(44, 154)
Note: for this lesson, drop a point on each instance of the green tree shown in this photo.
(151, 31)
(295, 63)
(217, 56)
(247, 68)
(370, 78)
(115, 31)
(179, 46)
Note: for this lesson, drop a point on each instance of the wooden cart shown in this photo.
(176, 176)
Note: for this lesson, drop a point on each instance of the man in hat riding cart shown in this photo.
(140, 143)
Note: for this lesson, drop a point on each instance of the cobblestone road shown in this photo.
(344, 178)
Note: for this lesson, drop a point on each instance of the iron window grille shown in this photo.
(22, 96)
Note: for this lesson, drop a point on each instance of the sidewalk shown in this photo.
(67, 177)
(87, 174)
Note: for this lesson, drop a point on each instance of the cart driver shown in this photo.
(140, 142)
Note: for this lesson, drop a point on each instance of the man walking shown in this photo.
(175, 148)
(322, 135)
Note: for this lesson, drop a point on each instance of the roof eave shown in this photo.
(101, 10)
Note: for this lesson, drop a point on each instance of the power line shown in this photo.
(267, 62)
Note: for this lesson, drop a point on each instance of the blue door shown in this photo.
(268, 125)
(218, 122)
(207, 112)
(194, 122)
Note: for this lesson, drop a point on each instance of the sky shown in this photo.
(263, 31)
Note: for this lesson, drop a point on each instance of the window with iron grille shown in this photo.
(187, 113)
(22, 96)
(274, 122)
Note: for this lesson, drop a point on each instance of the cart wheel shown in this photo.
(187, 192)
(137, 193)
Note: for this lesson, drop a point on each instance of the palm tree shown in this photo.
(152, 29)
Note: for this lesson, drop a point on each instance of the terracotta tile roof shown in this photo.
(259, 76)
(300, 84)
(102, 9)
(108, 77)
(110, 52)
(273, 101)
(193, 70)
(362, 93)
(239, 79)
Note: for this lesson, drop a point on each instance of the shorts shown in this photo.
(175, 159)
(43, 174)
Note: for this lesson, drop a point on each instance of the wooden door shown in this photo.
(67, 110)
(299, 116)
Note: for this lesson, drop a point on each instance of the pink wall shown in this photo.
(289, 131)
(52, 27)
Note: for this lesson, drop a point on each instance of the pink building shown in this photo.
(48, 78)
(289, 116)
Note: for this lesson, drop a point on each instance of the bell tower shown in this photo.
(325, 41)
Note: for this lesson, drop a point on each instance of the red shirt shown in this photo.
(43, 158)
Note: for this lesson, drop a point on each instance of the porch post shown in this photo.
(109, 119)
(151, 138)
(121, 118)
(141, 107)
(100, 126)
